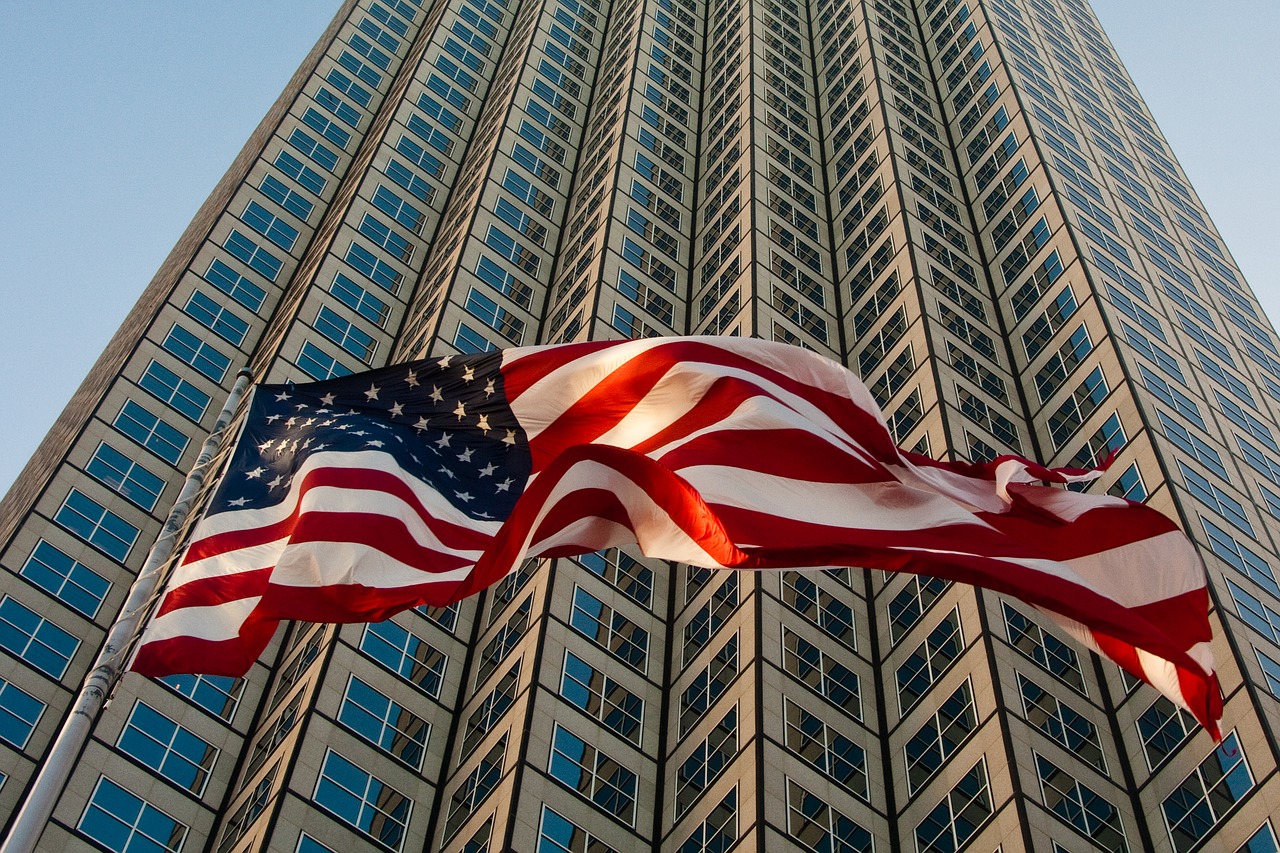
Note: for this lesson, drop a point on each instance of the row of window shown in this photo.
(454, 83)
(185, 759)
(1204, 796)
(517, 255)
(80, 587)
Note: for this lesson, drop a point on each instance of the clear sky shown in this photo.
(123, 116)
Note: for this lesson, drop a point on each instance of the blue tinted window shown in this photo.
(125, 823)
(89, 520)
(320, 155)
(384, 723)
(398, 209)
(358, 68)
(217, 694)
(166, 747)
(288, 199)
(201, 355)
(345, 334)
(306, 177)
(326, 128)
(405, 653)
(307, 844)
(363, 800)
(470, 341)
(600, 696)
(34, 639)
(73, 583)
(376, 270)
(318, 364)
(593, 775)
(1262, 841)
(151, 432)
(236, 286)
(270, 226)
(345, 113)
(610, 629)
(117, 471)
(359, 300)
(420, 157)
(257, 258)
(349, 87)
(559, 835)
(19, 713)
(170, 388)
(403, 176)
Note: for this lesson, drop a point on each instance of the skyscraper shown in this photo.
(967, 203)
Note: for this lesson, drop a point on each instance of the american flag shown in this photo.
(423, 483)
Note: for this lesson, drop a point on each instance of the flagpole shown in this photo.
(98, 684)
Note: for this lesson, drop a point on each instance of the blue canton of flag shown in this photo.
(450, 427)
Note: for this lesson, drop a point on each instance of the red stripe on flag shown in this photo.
(793, 454)
(452, 536)
(620, 390)
(215, 590)
(158, 658)
(1000, 535)
(534, 364)
(352, 602)
(1203, 696)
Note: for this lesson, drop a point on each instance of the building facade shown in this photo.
(964, 201)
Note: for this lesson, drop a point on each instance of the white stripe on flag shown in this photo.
(320, 564)
(214, 623)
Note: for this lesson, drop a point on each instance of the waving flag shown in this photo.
(355, 498)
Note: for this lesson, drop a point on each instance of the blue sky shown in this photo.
(124, 115)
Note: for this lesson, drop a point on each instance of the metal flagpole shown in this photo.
(53, 774)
